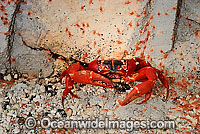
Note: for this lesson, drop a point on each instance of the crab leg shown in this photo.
(143, 88)
(139, 75)
(69, 82)
(69, 85)
(73, 68)
(142, 63)
(164, 82)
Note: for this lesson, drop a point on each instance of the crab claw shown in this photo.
(83, 77)
(90, 77)
(137, 91)
(145, 87)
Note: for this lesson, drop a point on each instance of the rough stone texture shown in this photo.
(76, 28)
(159, 22)
(189, 23)
(192, 11)
(161, 37)
(3, 62)
(94, 30)
(13, 52)
(187, 44)
(42, 97)
(4, 28)
(81, 25)
(30, 61)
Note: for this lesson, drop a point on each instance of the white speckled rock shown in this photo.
(29, 96)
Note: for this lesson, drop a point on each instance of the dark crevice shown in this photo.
(193, 21)
(177, 19)
(10, 37)
(57, 56)
(52, 54)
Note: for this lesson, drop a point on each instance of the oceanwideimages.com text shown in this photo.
(128, 125)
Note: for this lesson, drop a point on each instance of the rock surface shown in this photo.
(37, 36)
(97, 29)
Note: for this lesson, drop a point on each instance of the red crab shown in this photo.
(101, 73)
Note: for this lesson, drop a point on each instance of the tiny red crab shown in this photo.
(102, 73)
